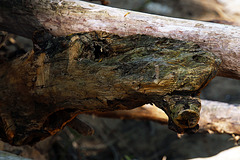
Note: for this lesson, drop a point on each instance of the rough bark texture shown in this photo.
(62, 18)
(41, 91)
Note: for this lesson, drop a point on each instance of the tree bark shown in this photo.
(42, 91)
(220, 117)
(62, 18)
(124, 67)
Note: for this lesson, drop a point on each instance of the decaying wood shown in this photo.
(92, 71)
(62, 18)
(216, 117)
(43, 90)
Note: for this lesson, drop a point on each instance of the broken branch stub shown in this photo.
(43, 90)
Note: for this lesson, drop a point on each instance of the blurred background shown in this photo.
(116, 139)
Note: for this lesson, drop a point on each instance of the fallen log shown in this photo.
(216, 117)
(43, 90)
(62, 18)
(124, 67)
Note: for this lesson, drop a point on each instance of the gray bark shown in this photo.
(62, 18)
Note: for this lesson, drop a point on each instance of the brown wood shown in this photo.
(93, 72)
(145, 112)
(216, 117)
(43, 90)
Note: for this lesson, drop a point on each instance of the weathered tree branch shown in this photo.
(220, 117)
(216, 117)
(62, 18)
(145, 112)
(97, 72)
